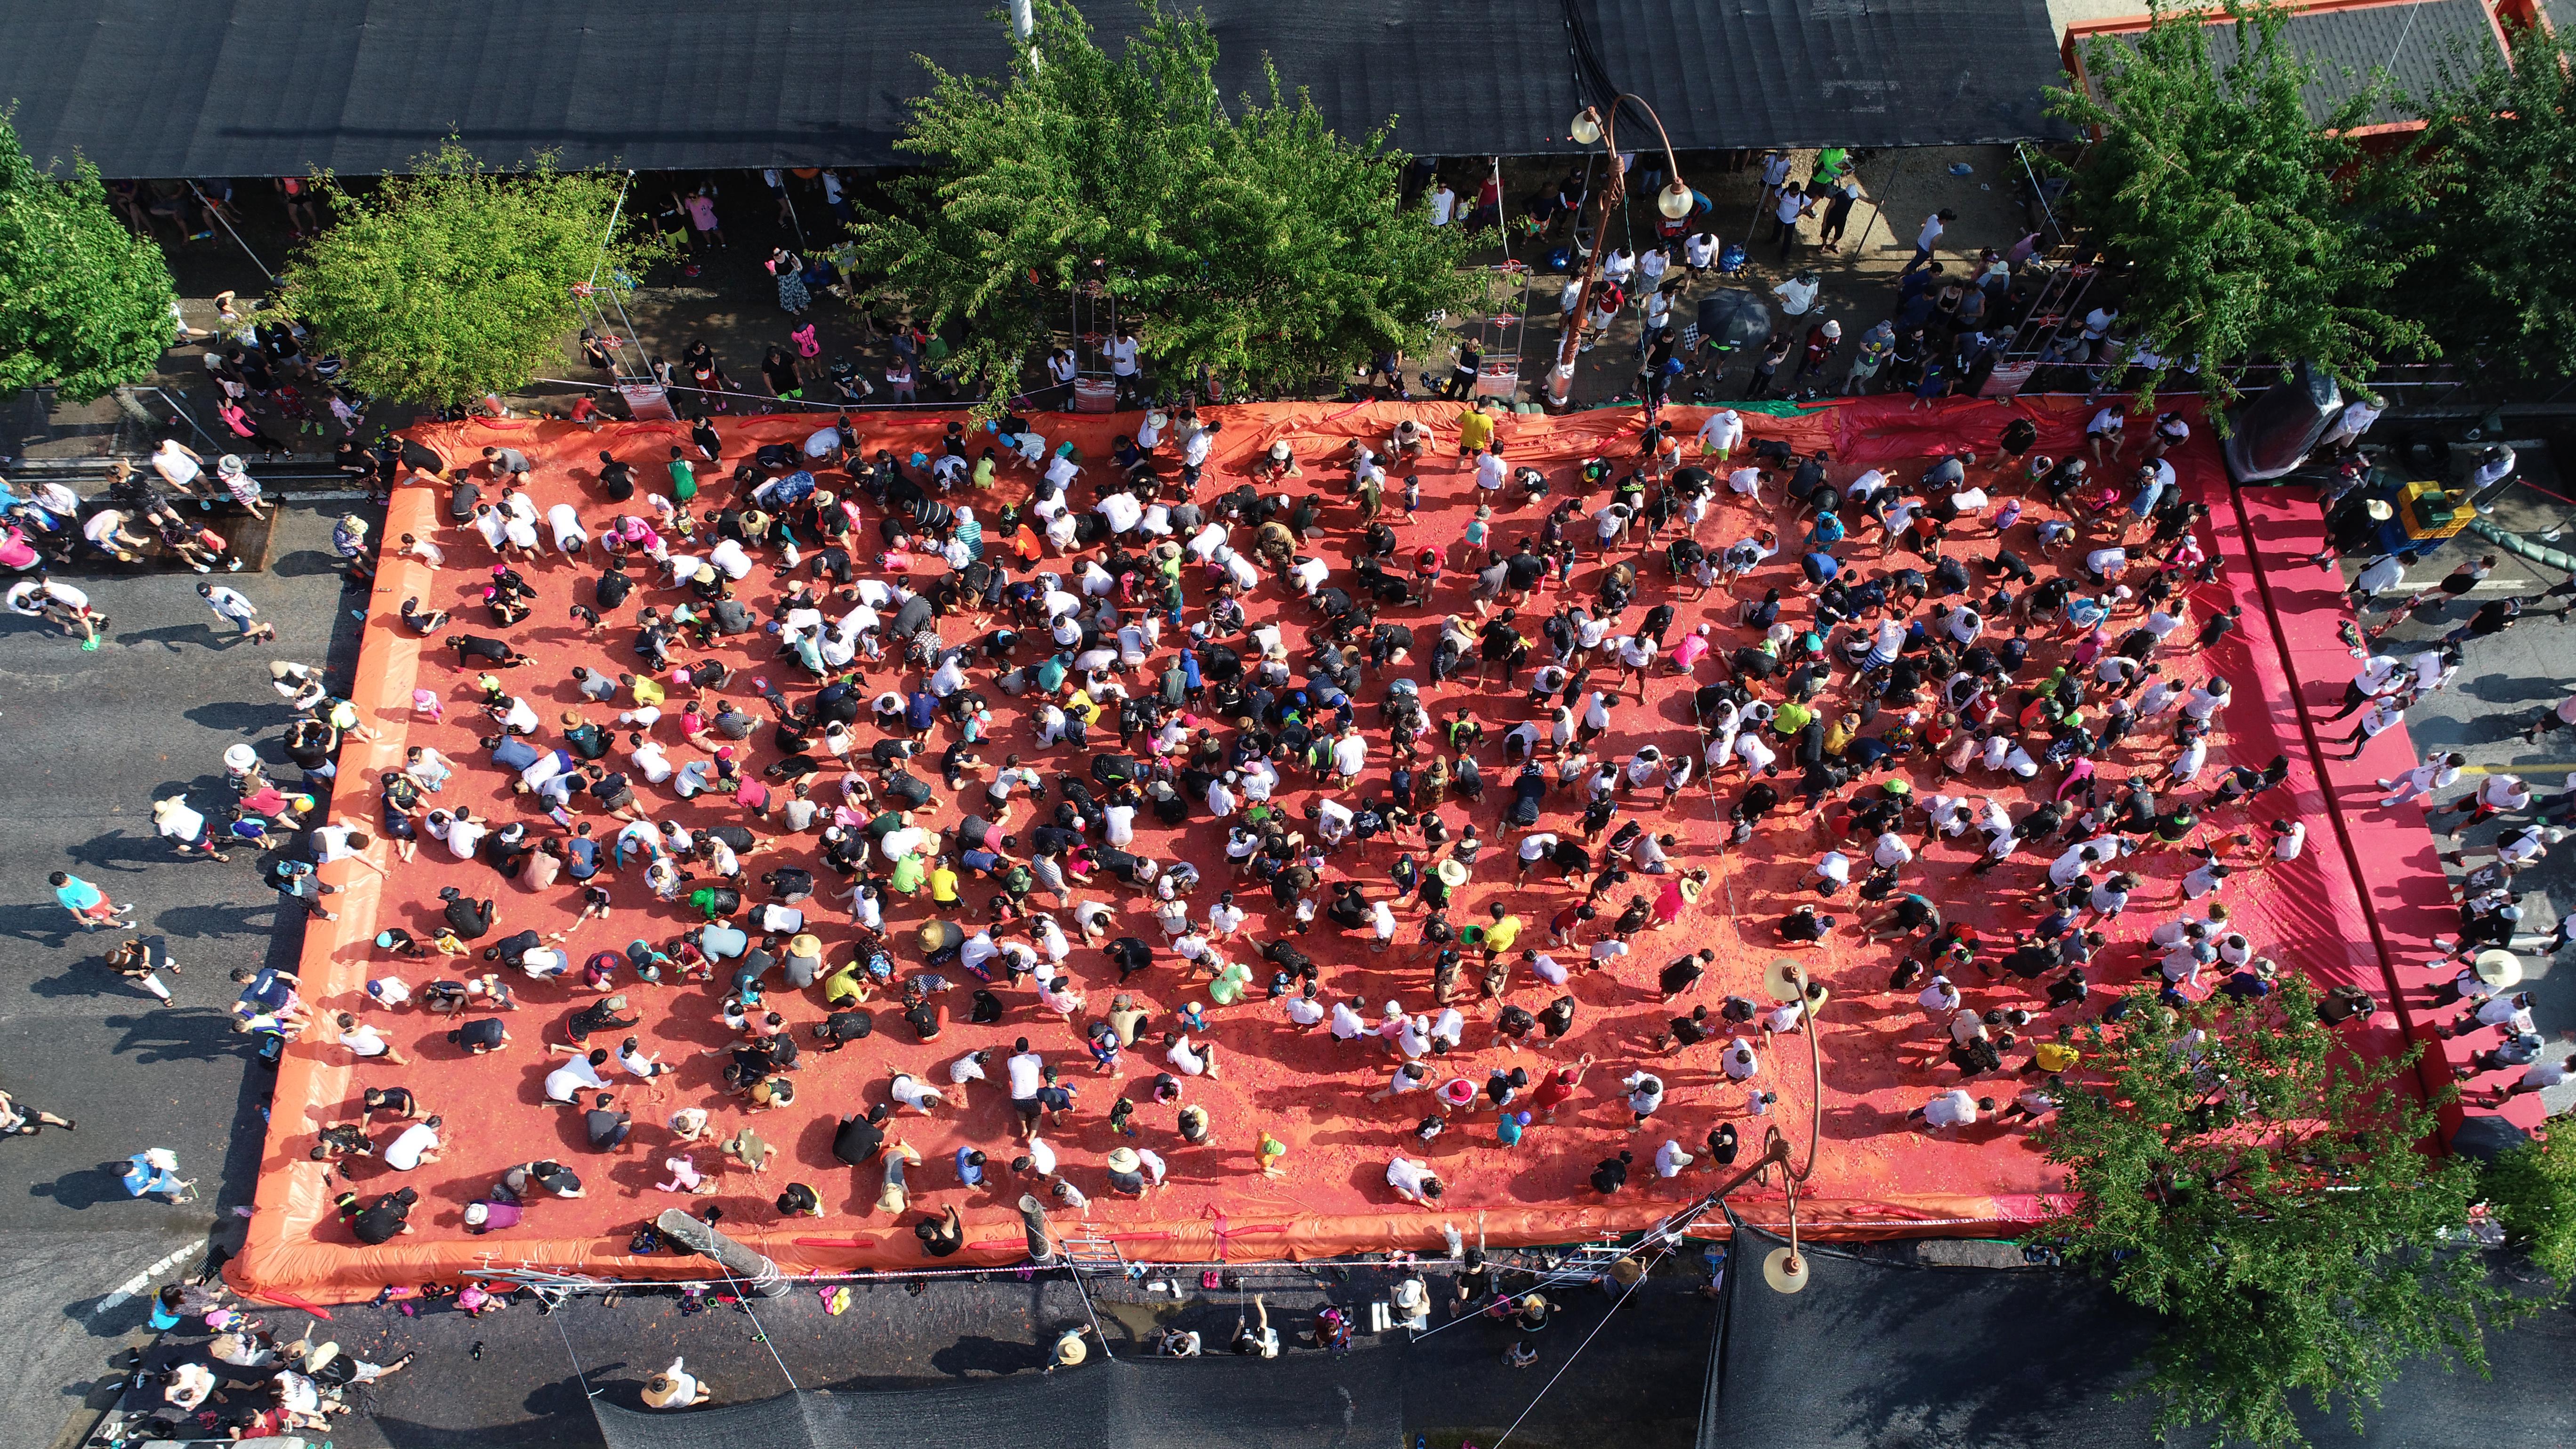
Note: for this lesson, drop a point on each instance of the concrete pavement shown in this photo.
(94, 738)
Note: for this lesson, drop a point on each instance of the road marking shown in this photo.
(2516, 769)
(141, 1283)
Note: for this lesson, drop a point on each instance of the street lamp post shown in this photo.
(1784, 1268)
(1674, 201)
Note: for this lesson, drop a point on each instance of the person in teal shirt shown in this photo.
(88, 904)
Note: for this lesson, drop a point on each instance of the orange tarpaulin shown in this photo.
(1877, 1173)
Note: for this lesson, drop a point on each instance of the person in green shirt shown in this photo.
(908, 874)
(684, 478)
(1228, 987)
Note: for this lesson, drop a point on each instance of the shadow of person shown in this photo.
(85, 1188)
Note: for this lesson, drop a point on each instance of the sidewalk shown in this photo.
(733, 302)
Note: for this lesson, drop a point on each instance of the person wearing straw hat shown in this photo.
(676, 1388)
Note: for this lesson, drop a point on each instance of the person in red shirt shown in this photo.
(1557, 1088)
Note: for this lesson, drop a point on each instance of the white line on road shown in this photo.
(141, 1282)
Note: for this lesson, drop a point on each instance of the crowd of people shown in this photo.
(991, 712)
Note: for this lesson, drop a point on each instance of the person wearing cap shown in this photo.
(234, 475)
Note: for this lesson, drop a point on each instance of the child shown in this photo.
(1412, 495)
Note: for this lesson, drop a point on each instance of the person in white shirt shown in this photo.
(1670, 1159)
(1953, 1108)
(2355, 420)
(1739, 1061)
(1348, 1025)
(1831, 872)
(1413, 1180)
(675, 1388)
(912, 1092)
(1928, 238)
(1645, 1095)
(1304, 1010)
(2385, 715)
(566, 1083)
(1122, 352)
(1027, 1071)
(2289, 839)
(1191, 1058)
(417, 1145)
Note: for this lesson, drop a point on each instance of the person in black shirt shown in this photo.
(495, 652)
(600, 1015)
(1688, 1030)
(800, 1201)
(484, 1034)
(381, 1221)
(859, 1139)
(1684, 973)
(605, 1126)
(466, 917)
(616, 480)
(923, 1017)
(943, 1235)
(1612, 1174)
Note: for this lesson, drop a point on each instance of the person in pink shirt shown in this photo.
(1691, 650)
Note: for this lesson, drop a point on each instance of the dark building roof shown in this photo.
(155, 88)
(1829, 72)
(2350, 44)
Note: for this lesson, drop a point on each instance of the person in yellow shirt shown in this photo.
(646, 689)
(1500, 936)
(943, 882)
(1475, 430)
(2053, 1057)
(1082, 706)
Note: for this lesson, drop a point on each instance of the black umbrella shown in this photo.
(1734, 318)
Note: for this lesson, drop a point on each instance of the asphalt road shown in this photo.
(97, 737)
(2504, 681)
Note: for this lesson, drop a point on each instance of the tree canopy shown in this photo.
(84, 302)
(2241, 1171)
(2243, 219)
(1252, 242)
(2532, 1191)
(460, 280)
(2493, 238)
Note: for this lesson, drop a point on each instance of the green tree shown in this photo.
(459, 279)
(2493, 238)
(1253, 242)
(84, 302)
(2532, 1191)
(2241, 1171)
(2243, 219)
